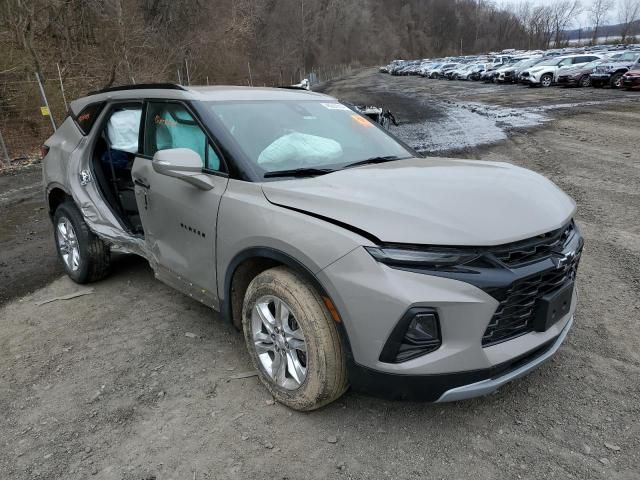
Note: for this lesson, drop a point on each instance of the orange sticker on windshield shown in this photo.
(362, 121)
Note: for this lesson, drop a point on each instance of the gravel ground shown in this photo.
(136, 381)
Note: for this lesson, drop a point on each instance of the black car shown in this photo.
(579, 76)
(611, 73)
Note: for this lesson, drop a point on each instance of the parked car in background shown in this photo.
(429, 70)
(510, 74)
(490, 72)
(611, 73)
(543, 73)
(471, 71)
(509, 66)
(440, 71)
(631, 79)
(458, 71)
(578, 76)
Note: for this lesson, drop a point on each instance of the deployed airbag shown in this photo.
(123, 129)
(299, 149)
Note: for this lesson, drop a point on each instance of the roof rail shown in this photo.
(140, 86)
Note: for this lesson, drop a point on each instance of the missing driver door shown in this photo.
(179, 218)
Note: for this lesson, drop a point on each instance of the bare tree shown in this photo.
(628, 14)
(599, 11)
(563, 12)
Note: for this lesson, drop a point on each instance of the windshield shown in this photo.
(594, 64)
(550, 63)
(287, 135)
(628, 57)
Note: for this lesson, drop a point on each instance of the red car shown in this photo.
(631, 79)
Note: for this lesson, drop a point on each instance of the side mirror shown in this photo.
(183, 164)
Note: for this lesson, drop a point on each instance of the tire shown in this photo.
(616, 80)
(325, 373)
(585, 81)
(72, 236)
(546, 80)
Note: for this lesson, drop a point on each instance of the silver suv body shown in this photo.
(344, 257)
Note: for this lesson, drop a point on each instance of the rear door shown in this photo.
(180, 219)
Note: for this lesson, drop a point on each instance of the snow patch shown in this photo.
(466, 125)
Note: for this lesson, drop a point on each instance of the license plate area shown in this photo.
(552, 307)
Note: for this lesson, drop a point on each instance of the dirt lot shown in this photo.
(109, 386)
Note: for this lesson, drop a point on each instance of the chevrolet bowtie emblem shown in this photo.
(563, 259)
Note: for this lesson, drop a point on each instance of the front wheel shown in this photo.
(546, 80)
(293, 340)
(84, 256)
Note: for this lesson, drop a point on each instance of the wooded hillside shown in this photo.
(81, 45)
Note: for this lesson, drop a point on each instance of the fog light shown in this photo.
(416, 334)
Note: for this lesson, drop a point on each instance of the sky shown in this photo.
(583, 20)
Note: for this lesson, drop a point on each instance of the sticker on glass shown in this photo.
(334, 106)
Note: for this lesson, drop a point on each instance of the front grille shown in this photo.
(534, 249)
(515, 314)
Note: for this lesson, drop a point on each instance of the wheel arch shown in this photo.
(250, 262)
(56, 195)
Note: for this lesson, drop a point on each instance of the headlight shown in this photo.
(430, 258)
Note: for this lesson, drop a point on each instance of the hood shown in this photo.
(432, 201)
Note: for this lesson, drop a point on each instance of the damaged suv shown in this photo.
(344, 257)
(612, 73)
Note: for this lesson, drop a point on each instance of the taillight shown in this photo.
(43, 151)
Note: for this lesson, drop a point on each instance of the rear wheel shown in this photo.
(293, 340)
(585, 81)
(84, 256)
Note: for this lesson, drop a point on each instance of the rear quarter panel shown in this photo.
(61, 145)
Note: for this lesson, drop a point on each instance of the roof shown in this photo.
(197, 93)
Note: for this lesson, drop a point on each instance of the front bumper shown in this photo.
(567, 80)
(454, 386)
(475, 355)
(518, 369)
(531, 79)
(631, 82)
(372, 298)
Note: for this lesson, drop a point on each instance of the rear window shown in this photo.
(87, 117)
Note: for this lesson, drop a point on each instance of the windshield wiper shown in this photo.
(299, 172)
(372, 160)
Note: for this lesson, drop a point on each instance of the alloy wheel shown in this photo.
(546, 81)
(68, 244)
(279, 342)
